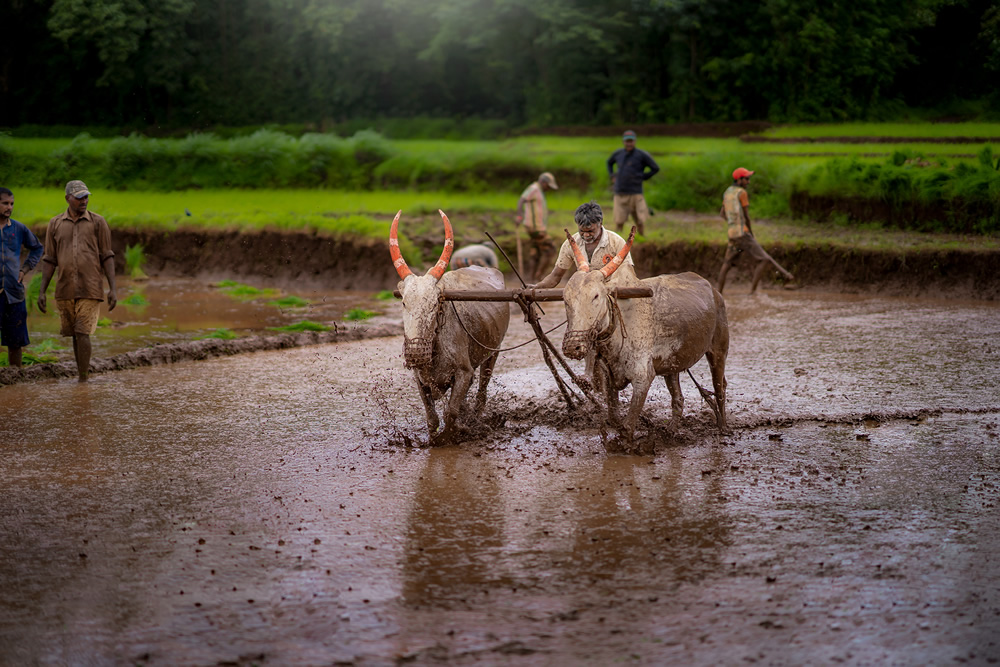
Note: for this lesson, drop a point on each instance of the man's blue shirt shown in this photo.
(631, 170)
(12, 237)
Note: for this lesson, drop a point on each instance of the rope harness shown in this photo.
(418, 352)
(496, 349)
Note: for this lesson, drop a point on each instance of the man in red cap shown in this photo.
(736, 212)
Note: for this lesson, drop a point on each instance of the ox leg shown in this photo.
(673, 382)
(432, 418)
(485, 373)
(459, 390)
(639, 390)
(717, 362)
(610, 393)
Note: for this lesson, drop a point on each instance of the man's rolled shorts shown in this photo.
(626, 205)
(78, 316)
(745, 245)
(13, 323)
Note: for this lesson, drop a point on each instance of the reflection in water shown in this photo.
(454, 533)
(592, 527)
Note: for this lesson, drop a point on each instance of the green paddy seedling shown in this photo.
(359, 314)
(304, 325)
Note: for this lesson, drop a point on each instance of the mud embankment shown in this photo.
(307, 259)
(196, 350)
(960, 215)
(958, 274)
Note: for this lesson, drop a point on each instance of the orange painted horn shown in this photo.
(449, 245)
(582, 264)
(397, 257)
(613, 265)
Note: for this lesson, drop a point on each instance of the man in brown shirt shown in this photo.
(79, 243)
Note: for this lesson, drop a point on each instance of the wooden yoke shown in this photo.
(555, 294)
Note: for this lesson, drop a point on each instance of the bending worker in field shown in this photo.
(736, 212)
(634, 167)
(533, 213)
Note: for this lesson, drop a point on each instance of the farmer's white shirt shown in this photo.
(609, 246)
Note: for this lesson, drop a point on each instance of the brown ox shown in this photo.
(444, 342)
(638, 339)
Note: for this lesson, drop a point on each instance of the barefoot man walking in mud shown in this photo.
(736, 212)
(79, 243)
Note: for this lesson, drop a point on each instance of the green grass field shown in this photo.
(337, 186)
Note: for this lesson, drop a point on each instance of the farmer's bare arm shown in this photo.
(552, 279)
(109, 272)
(746, 216)
(48, 269)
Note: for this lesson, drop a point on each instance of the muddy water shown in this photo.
(178, 309)
(262, 509)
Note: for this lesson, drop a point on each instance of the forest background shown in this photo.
(158, 64)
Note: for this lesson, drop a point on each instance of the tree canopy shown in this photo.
(197, 63)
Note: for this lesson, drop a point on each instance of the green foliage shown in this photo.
(135, 300)
(243, 291)
(221, 333)
(385, 295)
(960, 198)
(304, 325)
(28, 358)
(135, 257)
(105, 322)
(359, 314)
(290, 301)
(32, 290)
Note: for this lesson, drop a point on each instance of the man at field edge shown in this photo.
(736, 212)
(13, 311)
(79, 243)
(632, 164)
(600, 245)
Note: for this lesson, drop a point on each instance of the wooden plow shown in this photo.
(526, 298)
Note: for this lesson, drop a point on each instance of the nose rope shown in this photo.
(590, 337)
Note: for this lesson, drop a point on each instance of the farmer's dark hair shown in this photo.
(589, 214)
(5, 191)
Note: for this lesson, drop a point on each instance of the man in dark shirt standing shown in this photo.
(13, 312)
(632, 171)
(78, 242)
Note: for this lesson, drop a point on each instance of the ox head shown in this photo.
(421, 302)
(586, 296)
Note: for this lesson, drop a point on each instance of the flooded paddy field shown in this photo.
(173, 309)
(266, 509)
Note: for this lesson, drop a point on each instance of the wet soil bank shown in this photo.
(961, 215)
(195, 350)
(307, 259)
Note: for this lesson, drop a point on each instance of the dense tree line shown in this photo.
(195, 63)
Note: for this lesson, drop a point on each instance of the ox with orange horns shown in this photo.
(638, 339)
(444, 342)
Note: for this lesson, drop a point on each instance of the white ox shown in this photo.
(444, 342)
(638, 339)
